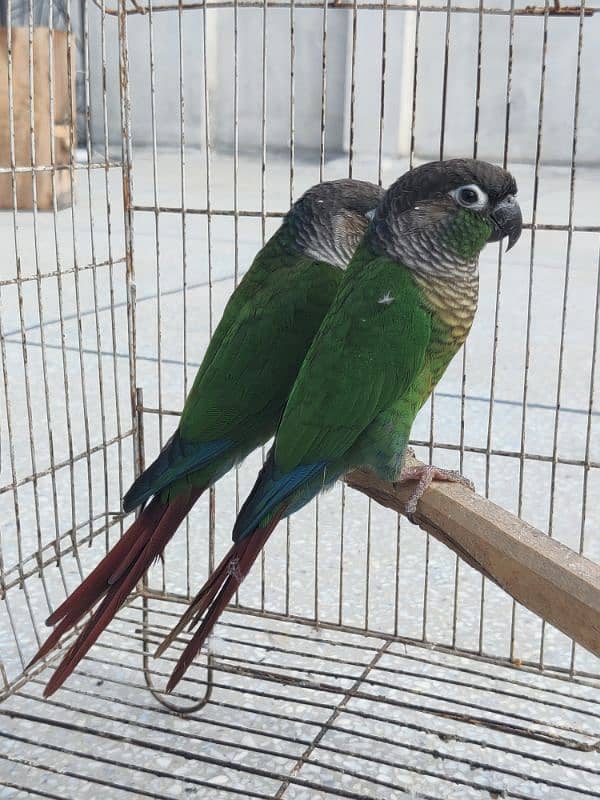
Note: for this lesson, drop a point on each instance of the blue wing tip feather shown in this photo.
(176, 459)
(268, 493)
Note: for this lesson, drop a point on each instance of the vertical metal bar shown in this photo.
(588, 433)
(49, 419)
(236, 198)
(74, 244)
(565, 298)
(397, 576)
(128, 221)
(263, 124)
(323, 92)
(463, 384)
(316, 586)
(368, 562)
(63, 338)
(88, 129)
(499, 282)
(445, 78)
(291, 201)
(411, 160)
(184, 265)
(341, 580)
(351, 135)
(413, 116)
(292, 97)
(111, 282)
(382, 91)
(156, 193)
(536, 184)
(263, 220)
(236, 163)
(59, 285)
(432, 401)
(379, 180)
(211, 493)
(40, 309)
(352, 89)
(321, 175)
(496, 332)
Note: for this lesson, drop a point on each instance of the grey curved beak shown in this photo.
(507, 220)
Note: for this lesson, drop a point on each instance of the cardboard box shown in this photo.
(62, 131)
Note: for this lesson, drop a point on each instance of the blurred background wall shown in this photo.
(352, 89)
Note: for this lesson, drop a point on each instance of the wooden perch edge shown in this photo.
(544, 575)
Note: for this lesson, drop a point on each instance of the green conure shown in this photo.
(237, 397)
(404, 308)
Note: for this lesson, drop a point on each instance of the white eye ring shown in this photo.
(470, 196)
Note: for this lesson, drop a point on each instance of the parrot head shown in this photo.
(329, 220)
(455, 206)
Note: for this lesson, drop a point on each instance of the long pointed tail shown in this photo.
(113, 579)
(216, 594)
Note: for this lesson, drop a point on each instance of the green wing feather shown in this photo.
(369, 349)
(256, 350)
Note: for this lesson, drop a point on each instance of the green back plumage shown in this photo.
(260, 342)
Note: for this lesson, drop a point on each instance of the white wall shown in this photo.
(400, 48)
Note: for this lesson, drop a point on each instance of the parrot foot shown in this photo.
(426, 474)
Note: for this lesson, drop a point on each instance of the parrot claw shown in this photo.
(426, 474)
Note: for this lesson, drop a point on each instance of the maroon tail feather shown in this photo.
(201, 601)
(114, 578)
(218, 591)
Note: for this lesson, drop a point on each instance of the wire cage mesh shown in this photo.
(362, 659)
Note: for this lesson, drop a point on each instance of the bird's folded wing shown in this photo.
(245, 377)
(370, 347)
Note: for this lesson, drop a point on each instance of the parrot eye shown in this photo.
(470, 196)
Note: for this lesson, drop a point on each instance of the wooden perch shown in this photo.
(544, 575)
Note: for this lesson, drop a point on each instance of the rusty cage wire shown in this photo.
(362, 659)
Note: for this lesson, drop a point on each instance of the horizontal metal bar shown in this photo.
(75, 166)
(206, 721)
(525, 668)
(581, 677)
(549, 459)
(214, 212)
(165, 749)
(37, 792)
(528, 11)
(573, 462)
(70, 773)
(112, 762)
(221, 666)
(41, 563)
(269, 671)
(230, 212)
(55, 273)
(158, 632)
(9, 487)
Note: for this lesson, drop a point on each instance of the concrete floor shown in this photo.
(91, 349)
